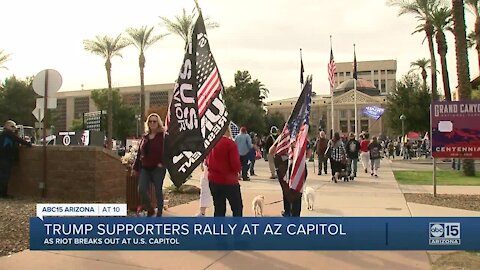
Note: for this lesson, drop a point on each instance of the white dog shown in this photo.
(309, 197)
(257, 205)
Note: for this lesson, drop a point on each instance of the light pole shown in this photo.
(403, 117)
(137, 117)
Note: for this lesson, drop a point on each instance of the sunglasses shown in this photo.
(152, 121)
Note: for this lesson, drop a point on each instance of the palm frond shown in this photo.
(106, 46)
(4, 57)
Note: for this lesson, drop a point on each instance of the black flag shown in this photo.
(301, 70)
(197, 116)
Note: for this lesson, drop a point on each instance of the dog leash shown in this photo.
(274, 202)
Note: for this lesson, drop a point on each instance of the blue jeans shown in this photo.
(5, 172)
(155, 176)
(353, 166)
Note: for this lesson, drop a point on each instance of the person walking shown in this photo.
(223, 163)
(320, 147)
(9, 154)
(364, 155)
(337, 155)
(268, 144)
(149, 163)
(353, 150)
(244, 144)
(375, 149)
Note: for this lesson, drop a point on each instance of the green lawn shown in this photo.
(443, 178)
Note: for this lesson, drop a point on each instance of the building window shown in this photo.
(391, 71)
(343, 114)
(131, 99)
(60, 120)
(352, 125)
(352, 113)
(81, 105)
(383, 86)
(158, 99)
(344, 126)
(347, 74)
(364, 125)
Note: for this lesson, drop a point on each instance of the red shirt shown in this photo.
(150, 152)
(223, 163)
(364, 145)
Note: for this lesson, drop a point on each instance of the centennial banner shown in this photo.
(455, 129)
(273, 233)
(197, 116)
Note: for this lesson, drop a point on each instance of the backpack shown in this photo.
(375, 153)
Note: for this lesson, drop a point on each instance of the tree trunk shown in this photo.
(108, 67)
(477, 36)
(141, 62)
(463, 73)
(429, 30)
(442, 51)
(424, 77)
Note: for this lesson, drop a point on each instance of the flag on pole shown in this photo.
(235, 130)
(197, 116)
(301, 69)
(293, 139)
(355, 75)
(332, 68)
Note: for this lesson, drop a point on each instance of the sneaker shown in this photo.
(319, 173)
(376, 175)
(371, 174)
(200, 214)
(246, 179)
(273, 177)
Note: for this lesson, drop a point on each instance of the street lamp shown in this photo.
(403, 117)
(137, 117)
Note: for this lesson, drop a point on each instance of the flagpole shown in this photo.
(331, 98)
(355, 89)
(301, 71)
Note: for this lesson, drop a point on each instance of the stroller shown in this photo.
(346, 172)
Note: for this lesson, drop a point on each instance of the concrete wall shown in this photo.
(74, 174)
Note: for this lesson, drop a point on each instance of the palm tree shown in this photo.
(422, 10)
(4, 57)
(107, 47)
(422, 64)
(183, 25)
(142, 38)
(473, 6)
(442, 20)
(463, 73)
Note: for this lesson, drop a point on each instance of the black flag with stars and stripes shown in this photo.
(197, 116)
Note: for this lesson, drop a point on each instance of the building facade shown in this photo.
(343, 109)
(381, 73)
(72, 104)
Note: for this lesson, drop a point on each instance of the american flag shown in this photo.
(332, 68)
(209, 83)
(235, 130)
(293, 139)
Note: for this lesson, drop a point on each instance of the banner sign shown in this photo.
(455, 129)
(275, 233)
(374, 112)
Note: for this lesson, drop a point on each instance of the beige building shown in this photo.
(72, 104)
(344, 108)
(381, 73)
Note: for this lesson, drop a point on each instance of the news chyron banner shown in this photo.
(456, 129)
(251, 233)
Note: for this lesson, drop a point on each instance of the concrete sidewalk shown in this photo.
(366, 196)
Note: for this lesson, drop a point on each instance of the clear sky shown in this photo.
(261, 36)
